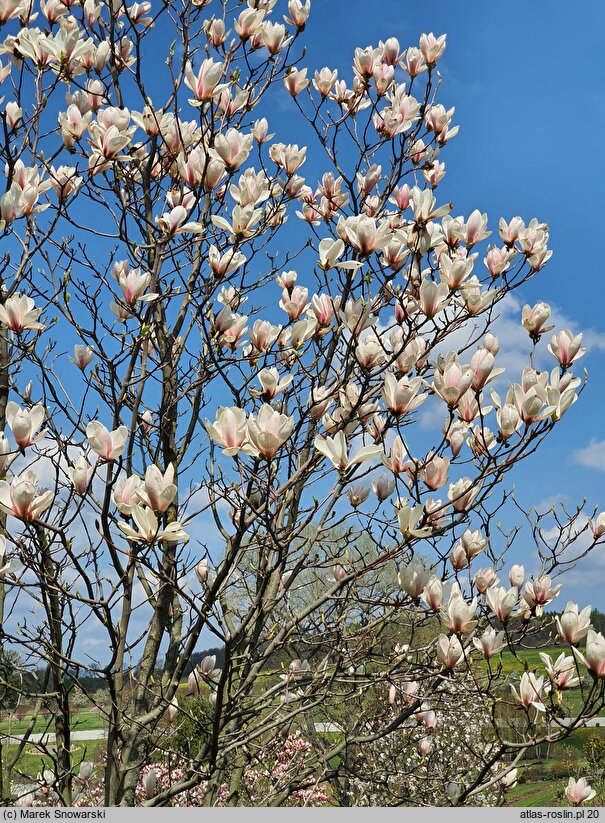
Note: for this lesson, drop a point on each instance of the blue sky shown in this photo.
(526, 80)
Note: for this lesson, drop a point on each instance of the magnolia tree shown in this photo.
(248, 408)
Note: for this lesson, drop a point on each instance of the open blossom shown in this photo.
(490, 643)
(561, 673)
(22, 499)
(296, 81)
(413, 577)
(205, 85)
(530, 691)
(126, 494)
(566, 347)
(108, 445)
(579, 791)
(24, 423)
(81, 474)
(573, 625)
(594, 655)
(158, 491)
(432, 47)
(82, 356)
(484, 579)
(408, 518)
(462, 493)
(19, 313)
(365, 234)
(401, 396)
(451, 380)
(148, 529)
(269, 430)
(501, 602)
(229, 429)
(336, 449)
(540, 592)
(271, 383)
(449, 651)
(535, 319)
(457, 616)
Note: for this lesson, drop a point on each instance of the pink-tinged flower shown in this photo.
(205, 85)
(232, 148)
(561, 673)
(324, 80)
(64, 181)
(490, 643)
(509, 232)
(148, 529)
(435, 472)
(289, 158)
(81, 474)
(269, 430)
(426, 717)
(357, 315)
(435, 593)
(408, 518)
(126, 494)
(299, 13)
(414, 577)
(271, 384)
(172, 710)
(579, 791)
(516, 576)
(462, 493)
(324, 309)
(24, 423)
(566, 347)
(22, 499)
(432, 47)
(484, 579)
(401, 396)
(18, 314)
(357, 495)
(573, 625)
(383, 487)
(108, 445)
(294, 303)
(263, 334)
(482, 366)
(594, 655)
(366, 235)
(458, 558)
(207, 667)
(260, 131)
(539, 593)
(158, 490)
(82, 356)
(173, 222)
(274, 37)
(150, 784)
(501, 602)
(229, 429)
(296, 81)
(451, 380)
(473, 543)
(476, 228)
(414, 63)
(530, 691)
(449, 651)
(457, 616)
(498, 260)
(336, 450)
(508, 419)
(433, 297)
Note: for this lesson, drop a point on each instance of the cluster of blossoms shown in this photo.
(306, 389)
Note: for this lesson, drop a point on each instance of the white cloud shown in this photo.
(591, 456)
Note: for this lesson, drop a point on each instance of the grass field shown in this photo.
(84, 720)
